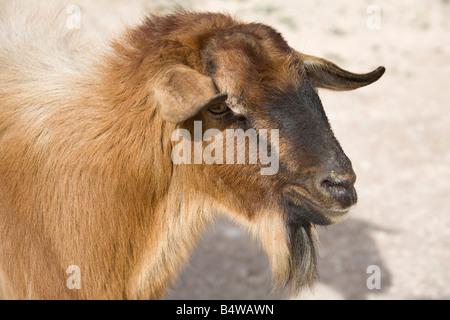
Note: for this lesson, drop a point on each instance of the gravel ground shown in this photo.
(396, 131)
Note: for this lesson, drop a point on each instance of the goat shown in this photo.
(86, 171)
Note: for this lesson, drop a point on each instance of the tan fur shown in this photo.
(85, 172)
(80, 182)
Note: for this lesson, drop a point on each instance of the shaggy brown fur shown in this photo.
(86, 176)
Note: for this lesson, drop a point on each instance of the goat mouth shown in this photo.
(302, 208)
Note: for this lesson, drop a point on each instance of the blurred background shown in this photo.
(396, 132)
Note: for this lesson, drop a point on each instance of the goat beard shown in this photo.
(303, 271)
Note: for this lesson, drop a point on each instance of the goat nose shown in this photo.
(339, 187)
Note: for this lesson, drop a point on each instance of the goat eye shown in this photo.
(219, 108)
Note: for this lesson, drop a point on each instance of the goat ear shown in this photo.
(182, 92)
(327, 75)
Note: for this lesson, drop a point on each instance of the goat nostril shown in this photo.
(337, 185)
(339, 189)
(330, 185)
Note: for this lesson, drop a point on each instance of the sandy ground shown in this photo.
(396, 131)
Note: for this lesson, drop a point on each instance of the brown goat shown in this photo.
(86, 175)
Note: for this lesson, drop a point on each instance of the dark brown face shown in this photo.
(269, 87)
(317, 177)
